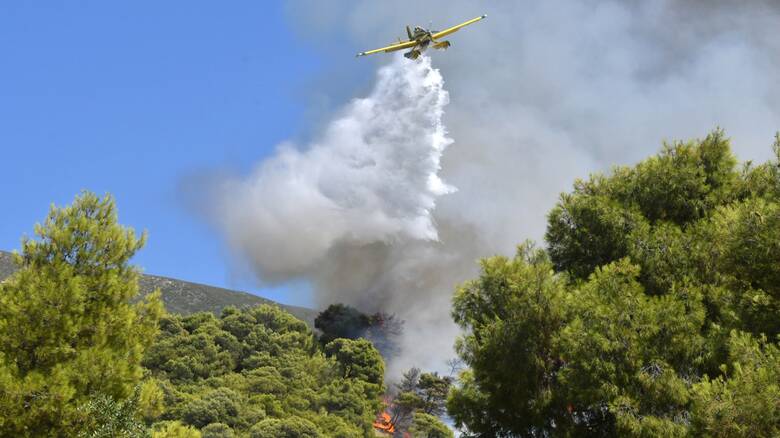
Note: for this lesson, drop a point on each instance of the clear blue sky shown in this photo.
(130, 97)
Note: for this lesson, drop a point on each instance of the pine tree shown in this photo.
(654, 310)
(68, 329)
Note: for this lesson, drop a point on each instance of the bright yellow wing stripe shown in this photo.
(393, 48)
(454, 29)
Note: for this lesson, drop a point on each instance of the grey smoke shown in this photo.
(352, 212)
(370, 177)
(541, 93)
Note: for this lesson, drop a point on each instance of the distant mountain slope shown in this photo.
(6, 265)
(183, 297)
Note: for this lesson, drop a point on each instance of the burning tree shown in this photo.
(416, 402)
(343, 321)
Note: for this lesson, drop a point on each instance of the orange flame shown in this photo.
(383, 423)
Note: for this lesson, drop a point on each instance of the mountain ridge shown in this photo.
(184, 297)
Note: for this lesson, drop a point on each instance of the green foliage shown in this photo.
(73, 347)
(217, 430)
(623, 349)
(429, 426)
(67, 328)
(337, 427)
(743, 242)
(105, 417)
(595, 224)
(259, 371)
(220, 405)
(745, 400)
(433, 390)
(513, 313)
(174, 429)
(418, 393)
(290, 427)
(357, 359)
(151, 400)
(475, 410)
(586, 229)
(654, 278)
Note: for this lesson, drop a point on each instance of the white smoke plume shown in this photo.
(346, 211)
(371, 177)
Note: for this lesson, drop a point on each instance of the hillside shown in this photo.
(6, 266)
(183, 297)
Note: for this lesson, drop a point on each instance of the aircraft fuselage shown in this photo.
(424, 38)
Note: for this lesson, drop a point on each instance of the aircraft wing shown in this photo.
(391, 48)
(454, 29)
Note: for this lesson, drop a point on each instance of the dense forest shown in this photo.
(653, 309)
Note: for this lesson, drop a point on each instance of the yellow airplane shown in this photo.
(420, 39)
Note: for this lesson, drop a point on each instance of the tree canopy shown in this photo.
(79, 356)
(68, 332)
(417, 403)
(260, 372)
(653, 310)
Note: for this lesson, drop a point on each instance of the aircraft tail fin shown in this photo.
(409, 32)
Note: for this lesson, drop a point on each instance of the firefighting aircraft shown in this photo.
(420, 39)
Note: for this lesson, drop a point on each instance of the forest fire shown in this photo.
(383, 423)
